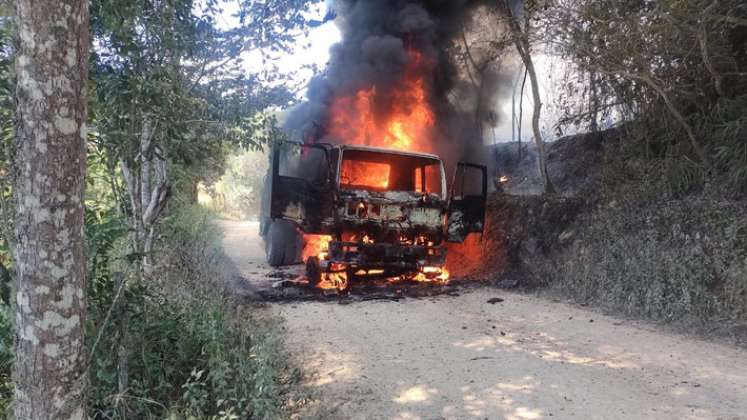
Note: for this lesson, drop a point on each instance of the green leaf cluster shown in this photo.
(173, 64)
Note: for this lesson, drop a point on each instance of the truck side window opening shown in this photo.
(467, 182)
(428, 179)
(433, 178)
(419, 181)
(297, 161)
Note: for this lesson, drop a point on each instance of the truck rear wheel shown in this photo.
(281, 243)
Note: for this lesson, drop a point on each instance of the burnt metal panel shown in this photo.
(466, 211)
(304, 196)
(383, 255)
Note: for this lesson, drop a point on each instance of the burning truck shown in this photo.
(363, 190)
(368, 212)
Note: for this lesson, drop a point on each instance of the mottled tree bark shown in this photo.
(49, 182)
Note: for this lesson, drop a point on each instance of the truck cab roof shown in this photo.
(344, 147)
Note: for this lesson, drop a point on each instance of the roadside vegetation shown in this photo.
(168, 101)
(654, 222)
(170, 340)
(632, 240)
(192, 350)
(177, 337)
(664, 234)
(237, 194)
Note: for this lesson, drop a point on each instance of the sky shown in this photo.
(308, 50)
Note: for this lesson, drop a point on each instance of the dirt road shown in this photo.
(460, 357)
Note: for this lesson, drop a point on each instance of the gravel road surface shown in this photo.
(461, 357)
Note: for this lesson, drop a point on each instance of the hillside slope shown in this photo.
(619, 235)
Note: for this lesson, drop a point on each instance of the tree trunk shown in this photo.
(123, 373)
(51, 66)
(593, 103)
(478, 87)
(541, 155)
(703, 43)
(521, 40)
(148, 188)
(675, 113)
(521, 111)
(194, 192)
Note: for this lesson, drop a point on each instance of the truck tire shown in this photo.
(281, 243)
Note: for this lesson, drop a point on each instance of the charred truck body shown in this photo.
(385, 213)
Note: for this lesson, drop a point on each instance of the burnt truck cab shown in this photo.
(386, 212)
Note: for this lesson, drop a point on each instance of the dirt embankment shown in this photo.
(524, 228)
(575, 163)
(519, 230)
(623, 234)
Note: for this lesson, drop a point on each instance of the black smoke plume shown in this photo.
(376, 35)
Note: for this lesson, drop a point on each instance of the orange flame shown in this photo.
(365, 174)
(409, 121)
(335, 278)
(315, 245)
(433, 275)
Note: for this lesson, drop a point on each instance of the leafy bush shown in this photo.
(190, 352)
(189, 364)
(238, 192)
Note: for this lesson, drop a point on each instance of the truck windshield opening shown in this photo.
(379, 171)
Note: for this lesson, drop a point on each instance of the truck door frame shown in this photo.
(466, 214)
(298, 199)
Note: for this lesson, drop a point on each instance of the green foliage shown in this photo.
(192, 251)
(191, 228)
(683, 175)
(105, 231)
(238, 193)
(675, 67)
(7, 337)
(7, 324)
(727, 127)
(189, 363)
(191, 354)
(169, 63)
(235, 373)
(6, 137)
